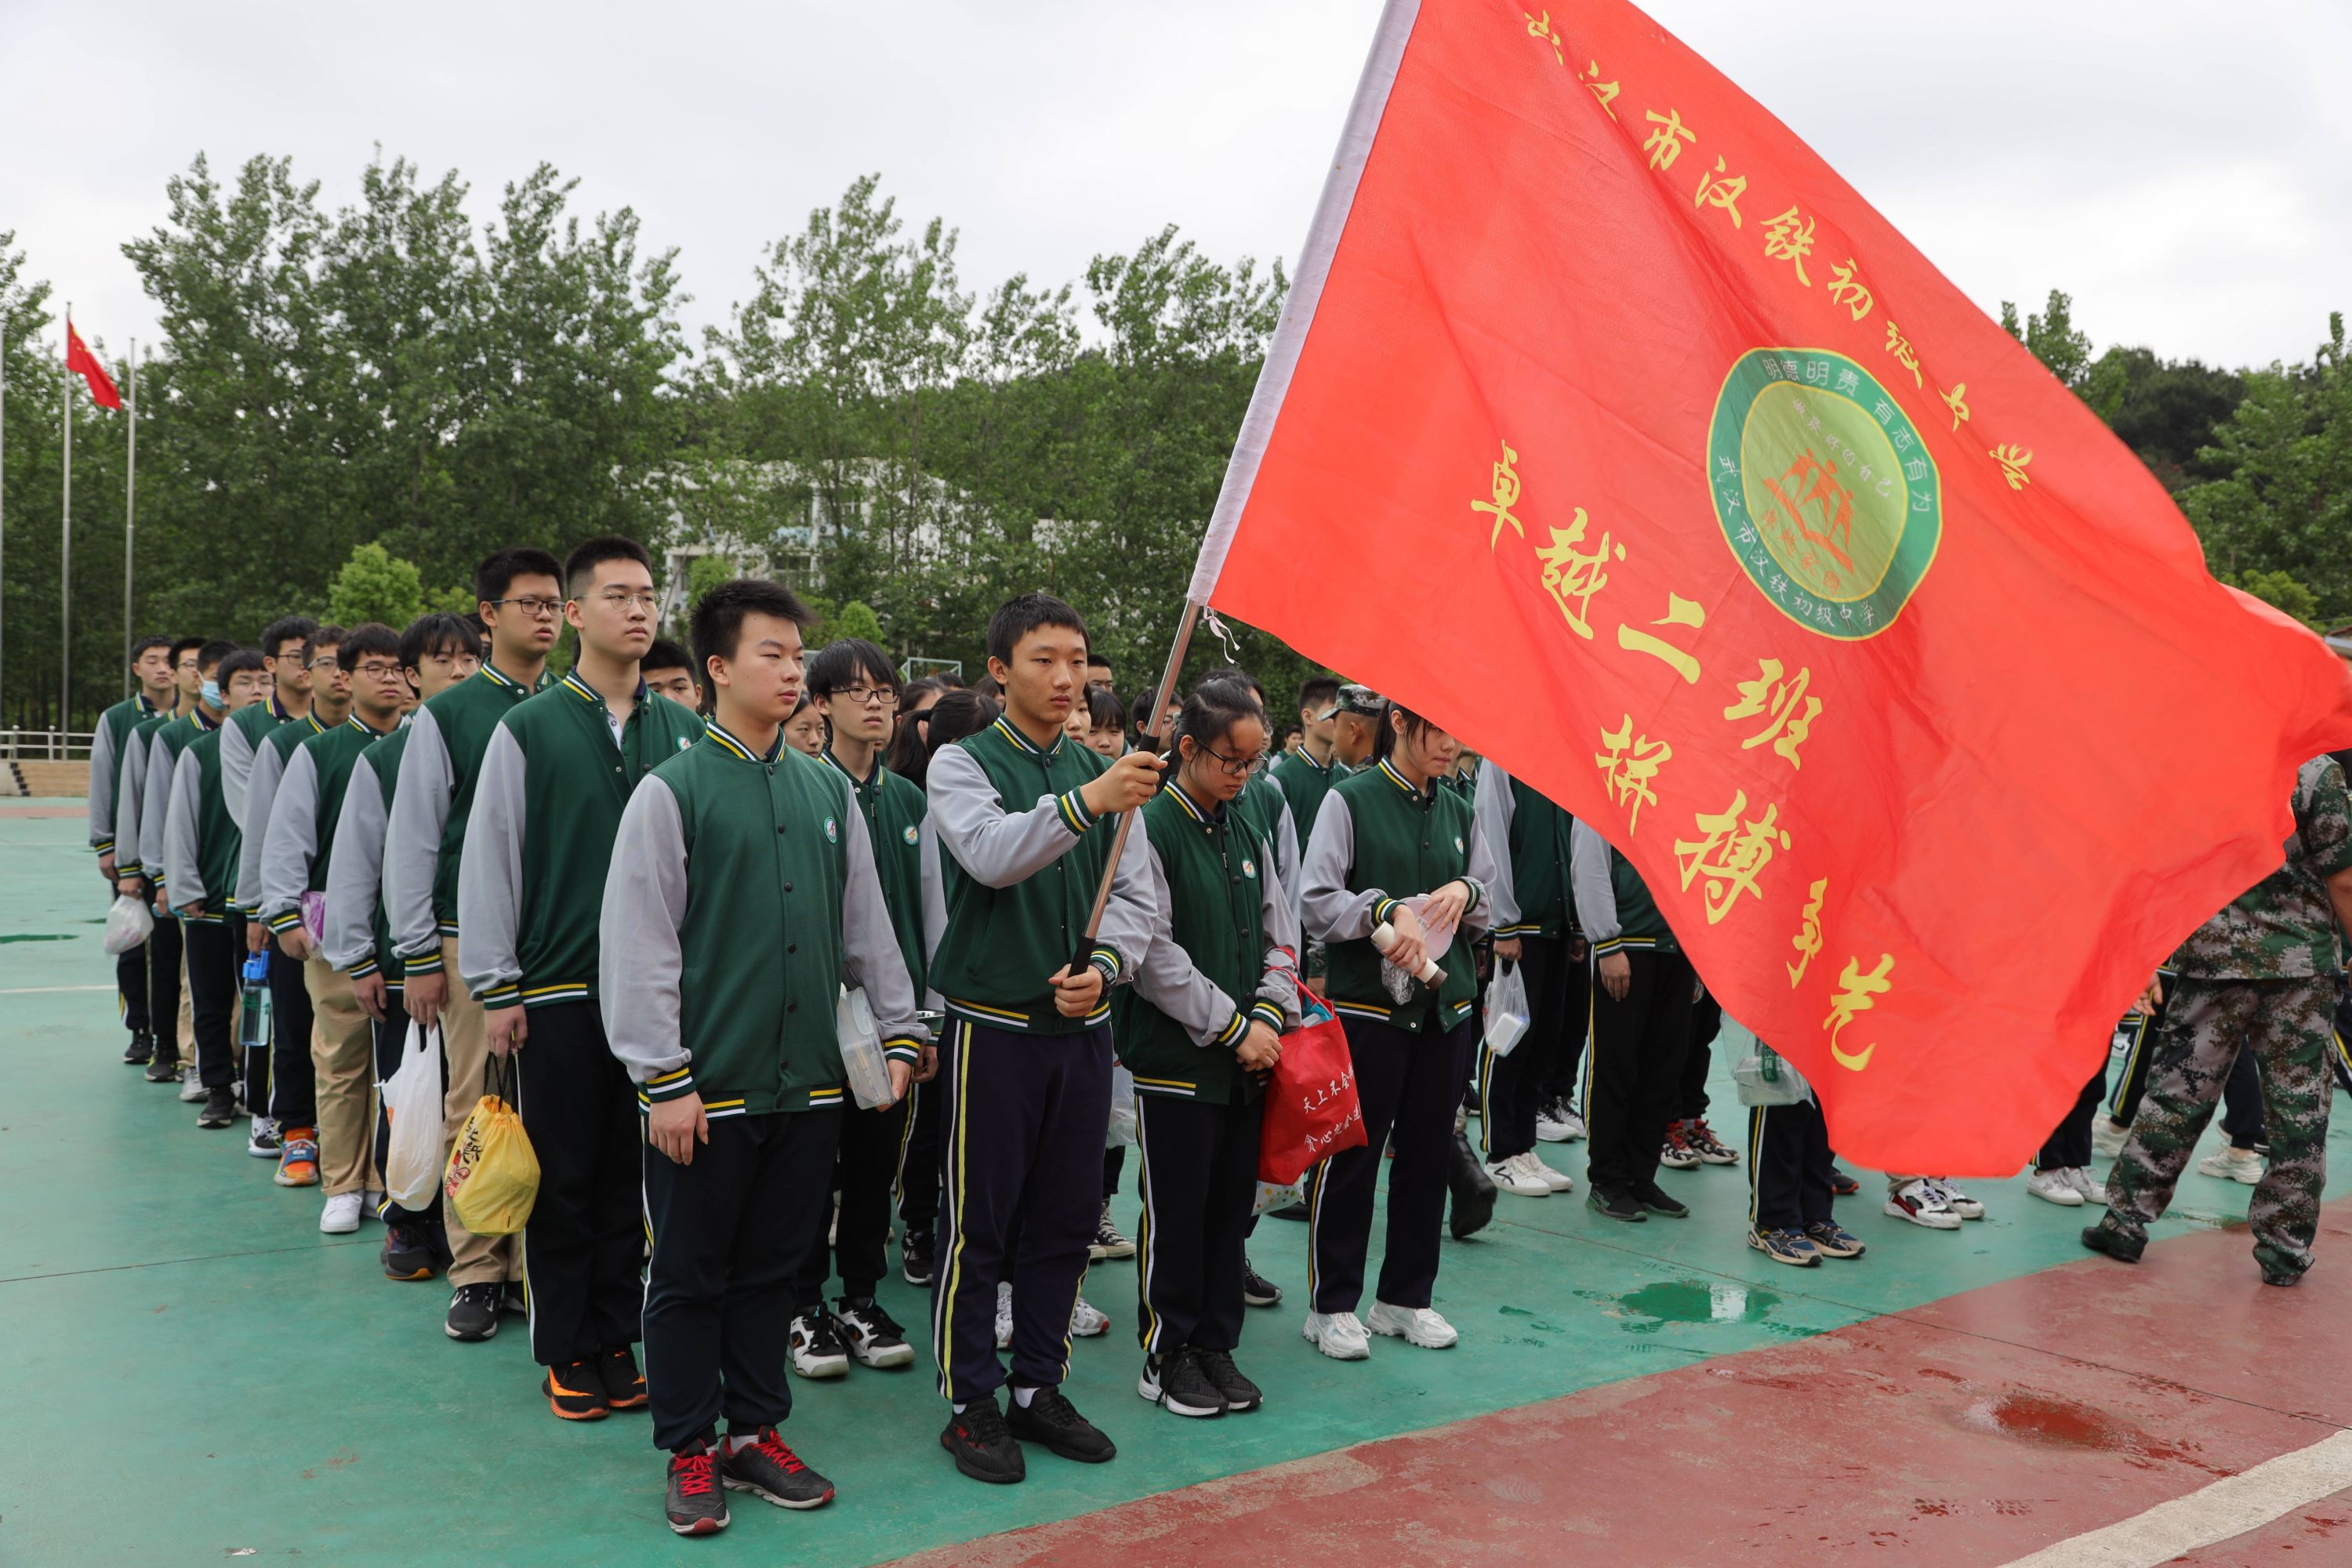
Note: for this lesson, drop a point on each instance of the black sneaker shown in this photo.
(1051, 1420)
(873, 1335)
(1258, 1290)
(694, 1501)
(814, 1347)
(1108, 1242)
(474, 1311)
(1612, 1202)
(406, 1254)
(983, 1445)
(915, 1258)
(1842, 1185)
(2114, 1243)
(575, 1393)
(768, 1468)
(1658, 1200)
(1240, 1393)
(220, 1108)
(1292, 1210)
(625, 1385)
(164, 1069)
(140, 1051)
(1176, 1383)
(1472, 1188)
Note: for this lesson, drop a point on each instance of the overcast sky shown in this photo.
(2183, 169)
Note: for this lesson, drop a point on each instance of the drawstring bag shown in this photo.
(412, 1110)
(492, 1177)
(1311, 1108)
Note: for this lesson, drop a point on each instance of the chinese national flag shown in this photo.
(1627, 442)
(80, 361)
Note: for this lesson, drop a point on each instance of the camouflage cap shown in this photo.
(1362, 701)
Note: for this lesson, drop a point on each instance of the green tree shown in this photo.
(2163, 410)
(2052, 337)
(375, 585)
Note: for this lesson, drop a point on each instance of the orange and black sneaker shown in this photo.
(575, 1393)
(693, 1501)
(298, 1157)
(624, 1384)
(407, 1252)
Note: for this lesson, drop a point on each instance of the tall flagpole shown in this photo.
(65, 558)
(4, 526)
(129, 508)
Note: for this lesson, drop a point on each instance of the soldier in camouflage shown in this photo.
(2261, 974)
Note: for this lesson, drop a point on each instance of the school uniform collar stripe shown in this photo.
(277, 709)
(147, 710)
(719, 732)
(826, 757)
(497, 677)
(1024, 743)
(588, 693)
(1191, 807)
(312, 719)
(198, 713)
(1405, 783)
(362, 726)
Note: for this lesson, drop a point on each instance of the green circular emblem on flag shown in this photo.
(1825, 491)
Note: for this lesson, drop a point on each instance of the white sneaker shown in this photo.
(261, 1141)
(1414, 1325)
(2108, 1137)
(2055, 1186)
(1556, 1124)
(2094, 1191)
(2233, 1165)
(1958, 1202)
(1558, 1180)
(1087, 1321)
(1004, 1314)
(1340, 1335)
(341, 1214)
(192, 1087)
(816, 1349)
(1922, 1202)
(1509, 1176)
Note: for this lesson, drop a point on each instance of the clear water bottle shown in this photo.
(253, 1026)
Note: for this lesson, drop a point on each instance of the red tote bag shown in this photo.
(1311, 1108)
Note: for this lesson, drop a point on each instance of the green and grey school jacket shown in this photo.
(261, 789)
(171, 738)
(107, 744)
(1304, 782)
(895, 809)
(1613, 904)
(1263, 801)
(200, 837)
(298, 855)
(741, 897)
(357, 940)
(1020, 859)
(131, 795)
(1529, 838)
(552, 783)
(425, 839)
(1224, 951)
(1377, 840)
(246, 731)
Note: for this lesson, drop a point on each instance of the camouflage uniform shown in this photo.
(2263, 974)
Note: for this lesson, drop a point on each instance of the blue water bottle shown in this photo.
(252, 1027)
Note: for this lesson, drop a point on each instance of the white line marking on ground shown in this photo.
(2209, 1514)
(43, 990)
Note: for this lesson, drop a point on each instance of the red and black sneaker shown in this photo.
(766, 1467)
(983, 1445)
(575, 1392)
(625, 1385)
(694, 1501)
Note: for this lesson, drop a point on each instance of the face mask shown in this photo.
(211, 695)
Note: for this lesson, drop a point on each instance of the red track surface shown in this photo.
(1967, 1433)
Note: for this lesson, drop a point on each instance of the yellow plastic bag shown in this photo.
(492, 1177)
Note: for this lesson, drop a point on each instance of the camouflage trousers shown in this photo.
(2289, 1027)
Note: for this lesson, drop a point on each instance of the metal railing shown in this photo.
(45, 745)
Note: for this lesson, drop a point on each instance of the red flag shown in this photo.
(80, 361)
(1636, 449)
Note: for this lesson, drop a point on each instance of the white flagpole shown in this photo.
(129, 508)
(4, 527)
(65, 556)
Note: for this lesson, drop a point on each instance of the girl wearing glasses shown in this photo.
(1384, 836)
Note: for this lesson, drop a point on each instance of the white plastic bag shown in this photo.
(128, 924)
(1507, 1009)
(1767, 1077)
(1122, 1109)
(862, 1061)
(412, 1104)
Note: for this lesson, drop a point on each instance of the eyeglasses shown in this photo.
(1234, 767)
(623, 600)
(537, 609)
(880, 697)
(378, 669)
(326, 666)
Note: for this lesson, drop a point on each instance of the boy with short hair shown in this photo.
(742, 894)
(324, 1073)
(1640, 1029)
(200, 850)
(851, 682)
(1307, 773)
(167, 998)
(668, 671)
(436, 652)
(286, 666)
(518, 595)
(199, 688)
(150, 665)
(1023, 816)
(554, 776)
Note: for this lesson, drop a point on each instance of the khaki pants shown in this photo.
(465, 1047)
(187, 1014)
(342, 1059)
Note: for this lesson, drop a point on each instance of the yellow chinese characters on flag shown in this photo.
(1639, 452)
